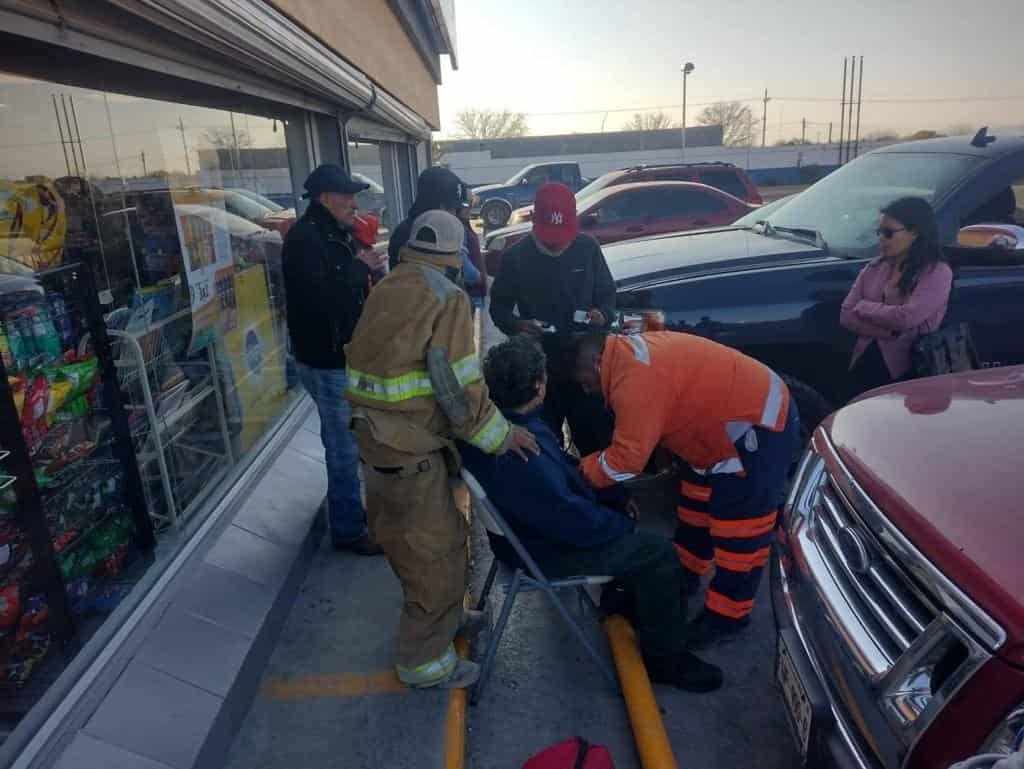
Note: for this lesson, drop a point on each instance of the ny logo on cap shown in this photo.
(556, 217)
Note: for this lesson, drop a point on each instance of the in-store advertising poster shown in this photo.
(206, 251)
(256, 354)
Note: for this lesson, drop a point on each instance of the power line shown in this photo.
(815, 99)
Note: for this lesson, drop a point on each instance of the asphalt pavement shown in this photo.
(544, 690)
(329, 698)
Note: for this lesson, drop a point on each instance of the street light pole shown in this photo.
(686, 70)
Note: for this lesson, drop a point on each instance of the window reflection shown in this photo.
(180, 212)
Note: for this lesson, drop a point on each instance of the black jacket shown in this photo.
(325, 287)
(550, 289)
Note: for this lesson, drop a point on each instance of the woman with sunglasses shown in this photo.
(898, 297)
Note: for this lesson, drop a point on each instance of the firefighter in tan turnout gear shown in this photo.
(415, 384)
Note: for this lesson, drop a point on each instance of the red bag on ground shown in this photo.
(575, 753)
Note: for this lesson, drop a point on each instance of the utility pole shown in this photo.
(686, 69)
(181, 129)
(142, 157)
(860, 100)
(830, 132)
(849, 125)
(842, 112)
(764, 119)
(803, 130)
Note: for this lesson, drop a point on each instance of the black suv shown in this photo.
(771, 283)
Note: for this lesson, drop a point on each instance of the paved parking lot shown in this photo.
(543, 690)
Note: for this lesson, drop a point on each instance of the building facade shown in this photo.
(152, 154)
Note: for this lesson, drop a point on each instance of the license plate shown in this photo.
(798, 704)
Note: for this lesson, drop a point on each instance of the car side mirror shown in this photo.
(524, 182)
(588, 221)
(1001, 237)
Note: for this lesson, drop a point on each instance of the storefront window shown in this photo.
(367, 166)
(144, 346)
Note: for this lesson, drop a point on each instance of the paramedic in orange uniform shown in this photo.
(731, 421)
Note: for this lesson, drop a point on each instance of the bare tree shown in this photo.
(735, 119)
(884, 135)
(487, 124)
(223, 138)
(961, 129)
(650, 121)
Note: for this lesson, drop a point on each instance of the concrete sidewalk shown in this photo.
(329, 698)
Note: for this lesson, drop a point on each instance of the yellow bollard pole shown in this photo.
(644, 716)
(455, 723)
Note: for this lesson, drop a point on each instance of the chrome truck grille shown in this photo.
(913, 635)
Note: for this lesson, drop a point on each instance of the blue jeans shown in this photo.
(345, 509)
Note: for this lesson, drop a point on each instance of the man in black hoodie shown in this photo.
(437, 189)
(326, 278)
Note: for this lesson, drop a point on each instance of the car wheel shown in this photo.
(496, 213)
(813, 407)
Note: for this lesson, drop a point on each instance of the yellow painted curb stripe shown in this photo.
(644, 716)
(455, 726)
(334, 685)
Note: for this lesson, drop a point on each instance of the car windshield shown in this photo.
(844, 206)
(761, 213)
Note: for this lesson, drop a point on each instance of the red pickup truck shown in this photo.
(899, 586)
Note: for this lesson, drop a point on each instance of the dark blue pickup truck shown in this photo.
(495, 202)
(771, 284)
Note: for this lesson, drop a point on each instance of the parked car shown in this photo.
(279, 218)
(635, 210)
(494, 203)
(772, 287)
(721, 176)
(899, 590)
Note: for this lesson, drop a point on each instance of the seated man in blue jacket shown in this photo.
(561, 523)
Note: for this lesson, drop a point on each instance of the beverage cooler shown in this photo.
(74, 532)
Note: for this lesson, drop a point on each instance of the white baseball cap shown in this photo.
(436, 232)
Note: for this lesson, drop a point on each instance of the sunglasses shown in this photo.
(888, 232)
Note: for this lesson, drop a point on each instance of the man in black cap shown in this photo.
(326, 278)
(437, 189)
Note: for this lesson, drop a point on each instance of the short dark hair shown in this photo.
(513, 370)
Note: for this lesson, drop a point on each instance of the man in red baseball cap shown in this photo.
(553, 286)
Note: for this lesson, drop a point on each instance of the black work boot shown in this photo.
(684, 671)
(711, 629)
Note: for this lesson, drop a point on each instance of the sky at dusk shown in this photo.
(928, 64)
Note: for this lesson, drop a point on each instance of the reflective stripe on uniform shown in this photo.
(743, 528)
(467, 370)
(640, 349)
(727, 607)
(689, 561)
(429, 673)
(726, 466)
(615, 475)
(492, 435)
(693, 491)
(741, 562)
(692, 517)
(415, 384)
(773, 403)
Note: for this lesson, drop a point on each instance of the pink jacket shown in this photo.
(876, 310)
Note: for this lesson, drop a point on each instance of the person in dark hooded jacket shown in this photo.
(437, 189)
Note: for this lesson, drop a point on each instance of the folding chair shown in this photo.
(530, 580)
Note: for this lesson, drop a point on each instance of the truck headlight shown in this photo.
(1008, 736)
